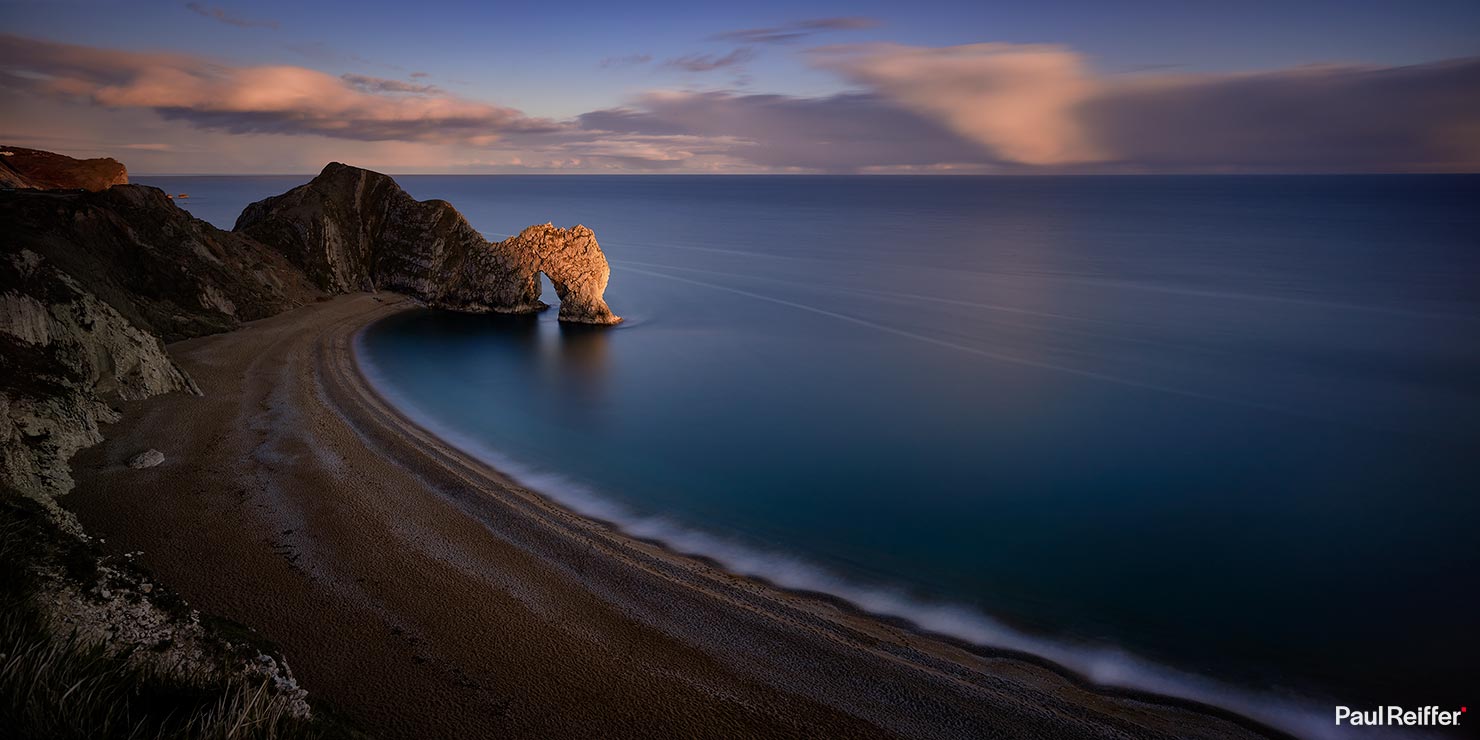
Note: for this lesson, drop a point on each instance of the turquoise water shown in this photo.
(1210, 435)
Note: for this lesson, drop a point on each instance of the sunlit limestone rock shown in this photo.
(575, 265)
(351, 229)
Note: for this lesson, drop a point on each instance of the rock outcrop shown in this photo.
(146, 459)
(33, 168)
(164, 270)
(89, 285)
(92, 284)
(575, 265)
(65, 357)
(352, 229)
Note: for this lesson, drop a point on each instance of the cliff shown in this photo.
(166, 271)
(65, 357)
(90, 283)
(33, 168)
(352, 229)
(93, 283)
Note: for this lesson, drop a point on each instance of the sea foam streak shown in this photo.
(1104, 666)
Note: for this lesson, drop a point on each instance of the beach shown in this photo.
(424, 594)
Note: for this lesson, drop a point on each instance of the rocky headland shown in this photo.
(351, 229)
(97, 275)
(33, 168)
(94, 281)
(421, 591)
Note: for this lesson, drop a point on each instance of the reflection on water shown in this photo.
(582, 357)
(568, 360)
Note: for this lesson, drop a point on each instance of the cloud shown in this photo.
(419, 75)
(369, 84)
(1018, 101)
(1006, 108)
(840, 133)
(626, 61)
(1423, 117)
(789, 32)
(981, 108)
(220, 14)
(1042, 106)
(265, 99)
(710, 62)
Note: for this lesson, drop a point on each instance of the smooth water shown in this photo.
(1227, 425)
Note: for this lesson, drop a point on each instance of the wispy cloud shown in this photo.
(710, 62)
(789, 32)
(266, 99)
(629, 60)
(370, 84)
(838, 133)
(220, 14)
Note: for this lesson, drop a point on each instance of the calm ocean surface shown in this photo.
(1209, 432)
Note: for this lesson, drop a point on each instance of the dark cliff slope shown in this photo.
(33, 168)
(165, 270)
(352, 229)
(89, 285)
(65, 358)
(91, 282)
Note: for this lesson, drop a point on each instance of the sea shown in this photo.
(1212, 436)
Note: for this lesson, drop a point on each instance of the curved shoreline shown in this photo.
(425, 593)
(1260, 714)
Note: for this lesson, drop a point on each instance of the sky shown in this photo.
(804, 86)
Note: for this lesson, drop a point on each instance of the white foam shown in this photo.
(1103, 665)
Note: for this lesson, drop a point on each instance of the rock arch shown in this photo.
(575, 264)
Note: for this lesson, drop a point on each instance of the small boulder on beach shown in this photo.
(146, 459)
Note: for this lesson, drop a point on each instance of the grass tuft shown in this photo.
(57, 686)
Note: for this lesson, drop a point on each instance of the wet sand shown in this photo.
(424, 594)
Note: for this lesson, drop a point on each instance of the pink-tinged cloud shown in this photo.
(1020, 102)
(1042, 106)
(988, 108)
(263, 99)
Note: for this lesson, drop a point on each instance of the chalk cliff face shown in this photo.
(32, 168)
(65, 357)
(93, 283)
(89, 284)
(352, 229)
